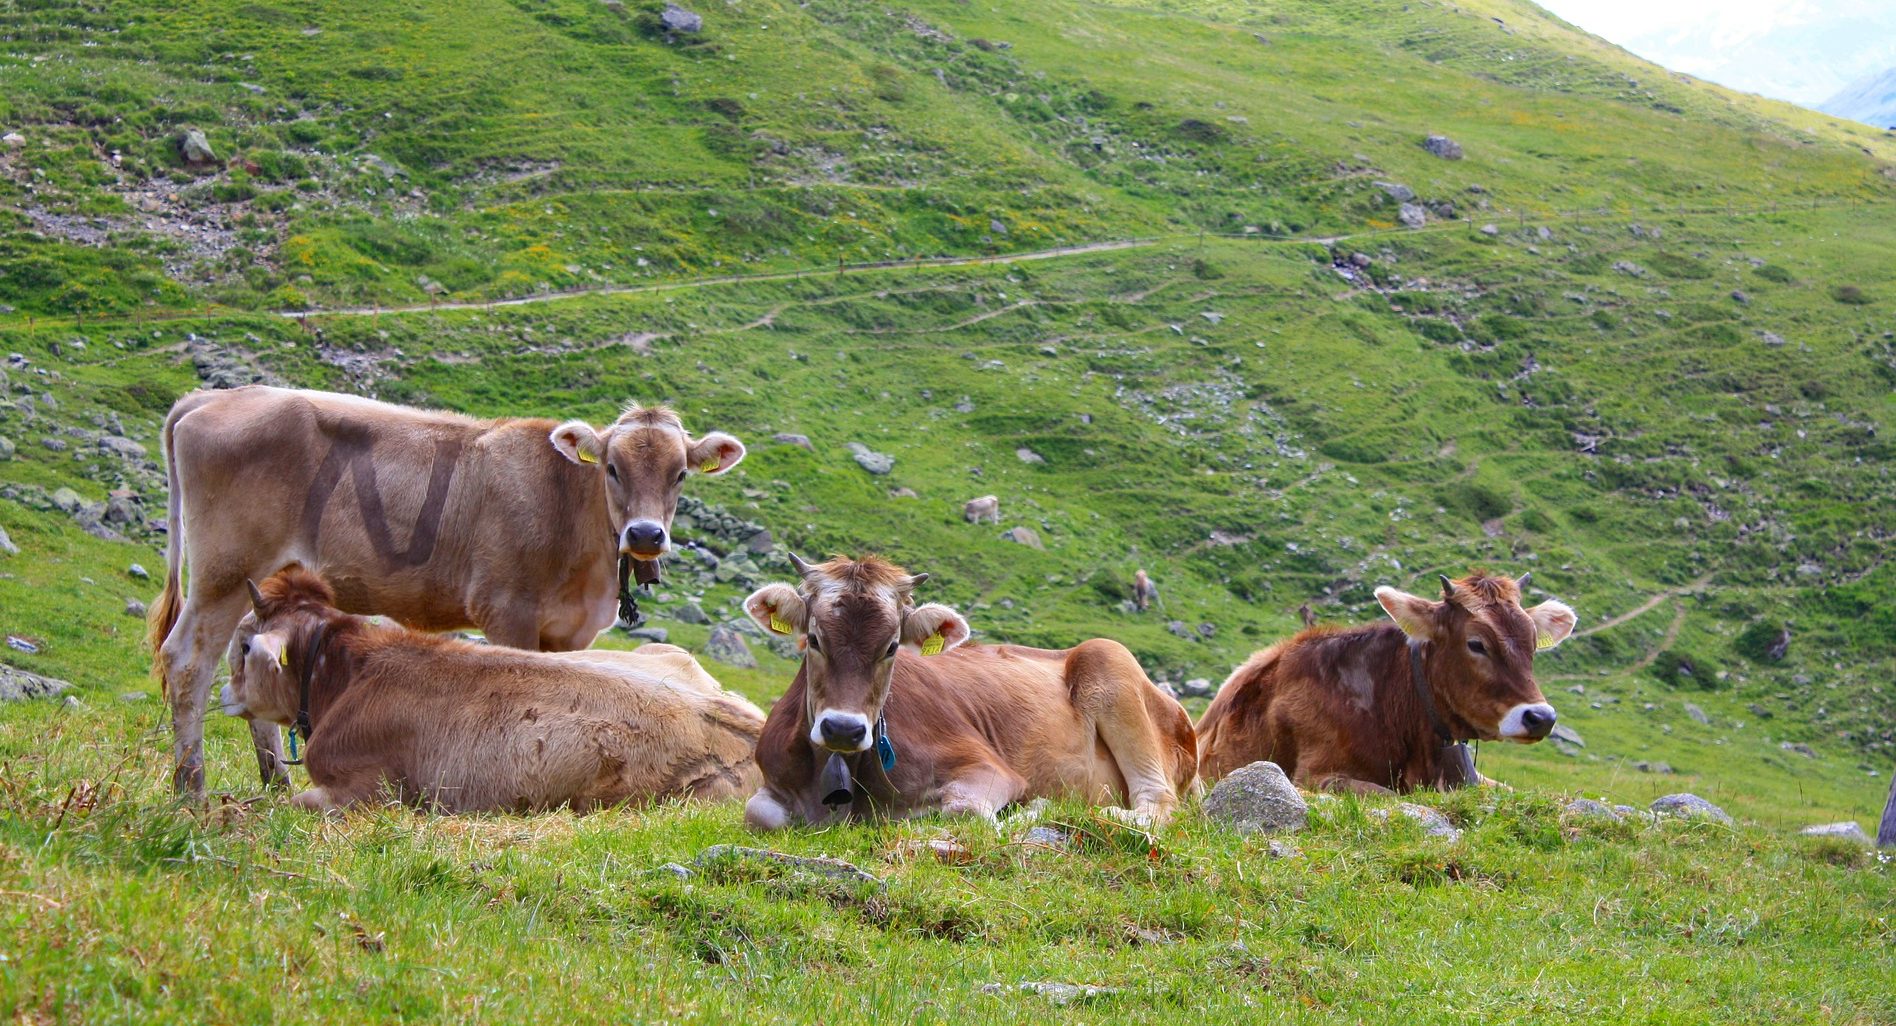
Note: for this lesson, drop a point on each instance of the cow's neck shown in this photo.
(1416, 748)
(329, 663)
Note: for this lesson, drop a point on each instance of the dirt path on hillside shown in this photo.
(1647, 606)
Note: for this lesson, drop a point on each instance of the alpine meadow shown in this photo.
(1279, 301)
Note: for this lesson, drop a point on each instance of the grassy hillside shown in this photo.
(1642, 344)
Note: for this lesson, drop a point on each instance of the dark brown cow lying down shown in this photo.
(394, 714)
(1340, 707)
(890, 715)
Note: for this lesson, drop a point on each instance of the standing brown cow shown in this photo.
(889, 715)
(434, 519)
(392, 713)
(1345, 708)
(1143, 591)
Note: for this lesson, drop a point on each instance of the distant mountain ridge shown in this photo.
(1871, 100)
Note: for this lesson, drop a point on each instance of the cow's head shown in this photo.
(1481, 666)
(645, 457)
(262, 684)
(850, 618)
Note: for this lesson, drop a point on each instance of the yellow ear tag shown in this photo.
(934, 644)
(1543, 640)
(586, 457)
(709, 465)
(778, 624)
(283, 658)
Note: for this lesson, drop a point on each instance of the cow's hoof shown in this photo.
(1144, 819)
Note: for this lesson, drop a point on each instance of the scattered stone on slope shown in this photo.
(1490, 230)
(1697, 714)
(1799, 747)
(1562, 732)
(690, 612)
(1689, 806)
(1433, 823)
(6, 544)
(792, 438)
(7, 449)
(195, 148)
(678, 19)
(658, 634)
(1412, 215)
(1197, 687)
(135, 570)
(1847, 830)
(727, 646)
(869, 459)
(1738, 296)
(1661, 767)
(1443, 147)
(1258, 797)
(1397, 191)
(1058, 993)
(134, 607)
(818, 867)
(1026, 455)
(16, 684)
(1023, 536)
(1587, 808)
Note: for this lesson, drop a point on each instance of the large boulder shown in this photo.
(1412, 216)
(16, 684)
(868, 459)
(195, 148)
(1689, 806)
(1258, 797)
(727, 646)
(1443, 147)
(678, 19)
(1847, 830)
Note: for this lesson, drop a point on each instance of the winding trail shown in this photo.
(1648, 606)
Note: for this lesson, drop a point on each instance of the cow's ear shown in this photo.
(577, 441)
(933, 629)
(274, 645)
(715, 453)
(1553, 622)
(778, 609)
(1414, 614)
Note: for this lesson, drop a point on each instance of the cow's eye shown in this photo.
(814, 647)
(890, 654)
(246, 646)
(1475, 646)
(681, 477)
(612, 472)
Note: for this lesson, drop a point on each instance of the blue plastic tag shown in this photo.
(885, 751)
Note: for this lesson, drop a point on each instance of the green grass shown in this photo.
(1593, 405)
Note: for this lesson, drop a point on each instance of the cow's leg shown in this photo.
(191, 651)
(268, 739)
(1340, 783)
(1108, 685)
(765, 812)
(323, 799)
(982, 791)
(513, 624)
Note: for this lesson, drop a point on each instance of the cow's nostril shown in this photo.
(843, 730)
(644, 536)
(1538, 719)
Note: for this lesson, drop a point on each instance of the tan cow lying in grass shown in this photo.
(889, 713)
(394, 714)
(1384, 706)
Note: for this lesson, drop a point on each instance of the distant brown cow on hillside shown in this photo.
(1381, 706)
(434, 519)
(1143, 591)
(891, 715)
(453, 726)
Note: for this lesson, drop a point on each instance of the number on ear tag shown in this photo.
(1544, 640)
(934, 644)
(778, 623)
(709, 465)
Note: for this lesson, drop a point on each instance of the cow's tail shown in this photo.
(164, 610)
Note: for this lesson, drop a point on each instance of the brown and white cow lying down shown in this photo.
(394, 714)
(1339, 708)
(890, 715)
(433, 519)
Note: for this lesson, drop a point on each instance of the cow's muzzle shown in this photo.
(840, 731)
(1527, 723)
(644, 539)
(232, 705)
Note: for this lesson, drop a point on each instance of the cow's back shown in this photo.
(1237, 724)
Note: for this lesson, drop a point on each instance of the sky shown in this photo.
(1803, 51)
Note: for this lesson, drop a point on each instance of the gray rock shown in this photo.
(1023, 536)
(124, 448)
(16, 684)
(138, 571)
(1284, 850)
(1258, 797)
(67, 501)
(1026, 455)
(869, 459)
(1562, 732)
(676, 870)
(1587, 808)
(1689, 806)
(1653, 767)
(1197, 687)
(1433, 823)
(1178, 628)
(1697, 714)
(789, 438)
(1443, 147)
(690, 612)
(6, 544)
(727, 646)
(1629, 268)
(133, 607)
(13, 140)
(195, 148)
(7, 449)
(1397, 191)
(19, 644)
(1544, 233)
(1058, 993)
(1047, 837)
(658, 634)
(996, 227)
(966, 405)
(54, 444)
(1360, 260)
(1207, 630)
(1799, 747)
(1627, 811)
(818, 867)
(678, 19)
(1490, 230)
(134, 696)
(122, 510)
(1412, 216)
(1848, 830)
(1738, 296)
